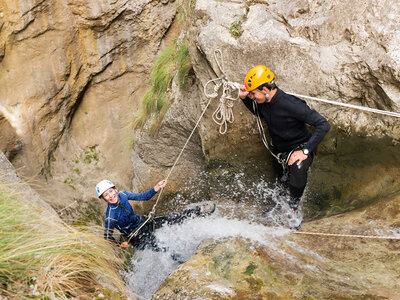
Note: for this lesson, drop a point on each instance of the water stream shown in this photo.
(240, 218)
(150, 268)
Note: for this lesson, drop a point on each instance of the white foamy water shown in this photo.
(150, 268)
(241, 202)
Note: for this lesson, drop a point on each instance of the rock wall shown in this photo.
(12, 183)
(333, 50)
(72, 74)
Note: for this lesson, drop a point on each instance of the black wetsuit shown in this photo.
(287, 117)
(145, 237)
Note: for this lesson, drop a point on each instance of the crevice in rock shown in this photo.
(33, 8)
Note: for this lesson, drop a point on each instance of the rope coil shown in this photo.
(224, 112)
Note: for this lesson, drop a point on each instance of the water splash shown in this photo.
(150, 268)
(247, 207)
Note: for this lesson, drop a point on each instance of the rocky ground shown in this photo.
(299, 266)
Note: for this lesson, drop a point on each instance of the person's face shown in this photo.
(259, 96)
(110, 196)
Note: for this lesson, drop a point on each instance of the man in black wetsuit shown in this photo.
(286, 116)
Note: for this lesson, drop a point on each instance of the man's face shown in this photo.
(110, 196)
(258, 96)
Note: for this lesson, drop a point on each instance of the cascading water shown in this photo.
(241, 218)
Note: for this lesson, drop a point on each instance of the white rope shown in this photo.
(224, 112)
(151, 214)
(373, 110)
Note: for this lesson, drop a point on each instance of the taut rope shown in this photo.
(151, 214)
(348, 235)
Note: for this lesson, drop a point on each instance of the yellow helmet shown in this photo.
(257, 76)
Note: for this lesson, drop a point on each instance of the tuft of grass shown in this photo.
(70, 182)
(183, 63)
(236, 27)
(90, 154)
(42, 257)
(173, 60)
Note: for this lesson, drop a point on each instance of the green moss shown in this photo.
(90, 155)
(271, 273)
(250, 269)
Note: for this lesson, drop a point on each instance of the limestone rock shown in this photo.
(295, 266)
(333, 50)
(72, 73)
(10, 180)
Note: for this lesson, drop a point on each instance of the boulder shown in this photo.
(299, 266)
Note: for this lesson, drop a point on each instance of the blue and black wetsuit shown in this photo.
(122, 217)
(287, 118)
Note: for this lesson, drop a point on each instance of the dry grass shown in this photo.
(43, 257)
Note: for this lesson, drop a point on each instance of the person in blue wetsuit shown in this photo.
(120, 215)
(287, 118)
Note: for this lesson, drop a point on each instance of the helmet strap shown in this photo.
(265, 94)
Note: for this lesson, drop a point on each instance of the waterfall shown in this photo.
(242, 217)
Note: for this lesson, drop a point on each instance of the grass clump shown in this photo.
(173, 60)
(42, 257)
(236, 27)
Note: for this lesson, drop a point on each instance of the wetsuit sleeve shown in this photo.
(109, 226)
(321, 126)
(249, 104)
(140, 196)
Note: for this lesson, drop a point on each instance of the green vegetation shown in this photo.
(173, 60)
(43, 258)
(250, 269)
(70, 182)
(236, 27)
(271, 273)
(90, 155)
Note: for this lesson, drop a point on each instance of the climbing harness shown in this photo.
(279, 157)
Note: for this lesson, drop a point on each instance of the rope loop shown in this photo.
(224, 112)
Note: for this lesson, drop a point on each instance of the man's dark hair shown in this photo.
(269, 85)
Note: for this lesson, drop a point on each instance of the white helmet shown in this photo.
(103, 186)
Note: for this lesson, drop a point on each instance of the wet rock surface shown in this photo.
(298, 266)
